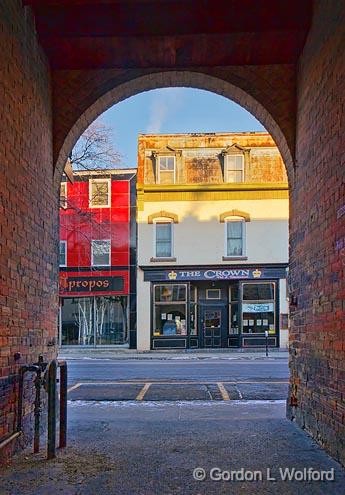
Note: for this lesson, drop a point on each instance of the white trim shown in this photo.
(159, 168)
(91, 181)
(64, 204)
(163, 220)
(65, 243)
(227, 168)
(101, 240)
(213, 298)
(244, 236)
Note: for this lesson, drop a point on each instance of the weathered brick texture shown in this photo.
(317, 236)
(28, 211)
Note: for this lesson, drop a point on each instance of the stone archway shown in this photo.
(199, 80)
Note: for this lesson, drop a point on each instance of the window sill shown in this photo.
(234, 258)
(162, 259)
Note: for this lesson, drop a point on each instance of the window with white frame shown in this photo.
(235, 237)
(163, 238)
(166, 170)
(234, 168)
(63, 195)
(63, 253)
(100, 253)
(99, 193)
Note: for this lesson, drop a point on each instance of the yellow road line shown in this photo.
(76, 385)
(223, 391)
(143, 391)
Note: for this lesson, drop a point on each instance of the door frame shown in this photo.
(204, 306)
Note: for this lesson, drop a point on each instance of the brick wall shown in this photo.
(317, 242)
(28, 211)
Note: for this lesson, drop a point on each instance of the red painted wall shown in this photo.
(79, 225)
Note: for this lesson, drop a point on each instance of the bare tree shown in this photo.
(95, 149)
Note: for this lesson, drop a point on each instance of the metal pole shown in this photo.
(266, 337)
(51, 444)
(63, 404)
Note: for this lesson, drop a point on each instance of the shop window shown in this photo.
(163, 238)
(212, 293)
(170, 310)
(101, 320)
(100, 253)
(63, 195)
(63, 253)
(99, 193)
(234, 168)
(166, 170)
(235, 237)
(258, 308)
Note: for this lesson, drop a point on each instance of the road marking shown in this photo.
(181, 382)
(239, 392)
(77, 385)
(223, 391)
(143, 391)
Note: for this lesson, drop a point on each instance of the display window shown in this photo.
(258, 308)
(91, 321)
(170, 310)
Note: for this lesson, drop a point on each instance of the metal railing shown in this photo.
(46, 376)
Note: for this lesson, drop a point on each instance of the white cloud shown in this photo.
(165, 103)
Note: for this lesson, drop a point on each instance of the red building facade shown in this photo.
(98, 259)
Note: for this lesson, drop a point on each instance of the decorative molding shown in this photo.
(234, 213)
(162, 214)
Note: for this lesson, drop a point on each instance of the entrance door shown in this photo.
(212, 326)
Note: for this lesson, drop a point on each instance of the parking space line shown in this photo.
(76, 385)
(223, 391)
(239, 392)
(143, 391)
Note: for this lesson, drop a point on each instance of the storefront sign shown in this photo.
(257, 308)
(221, 273)
(91, 284)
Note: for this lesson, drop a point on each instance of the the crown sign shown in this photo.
(257, 273)
(172, 275)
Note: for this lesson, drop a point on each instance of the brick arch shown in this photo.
(66, 138)
(234, 213)
(162, 214)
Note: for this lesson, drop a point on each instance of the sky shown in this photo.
(173, 110)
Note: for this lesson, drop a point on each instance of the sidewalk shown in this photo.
(190, 354)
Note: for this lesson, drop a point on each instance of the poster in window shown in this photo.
(163, 316)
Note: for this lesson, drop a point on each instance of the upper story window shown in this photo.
(63, 195)
(100, 253)
(99, 193)
(166, 170)
(163, 238)
(63, 253)
(235, 237)
(234, 168)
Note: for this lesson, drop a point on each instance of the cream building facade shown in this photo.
(212, 213)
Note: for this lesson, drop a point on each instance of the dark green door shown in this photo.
(211, 326)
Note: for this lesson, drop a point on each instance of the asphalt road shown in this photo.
(180, 369)
(180, 379)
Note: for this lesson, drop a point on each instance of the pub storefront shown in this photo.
(215, 307)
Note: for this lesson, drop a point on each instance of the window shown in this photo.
(100, 253)
(234, 168)
(166, 170)
(233, 309)
(63, 253)
(193, 311)
(212, 293)
(99, 193)
(234, 237)
(63, 195)
(170, 310)
(258, 307)
(163, 238)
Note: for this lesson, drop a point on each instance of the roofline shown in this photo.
(200, 134)
(105, 171)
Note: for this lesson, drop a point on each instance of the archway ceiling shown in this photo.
(90, 34)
